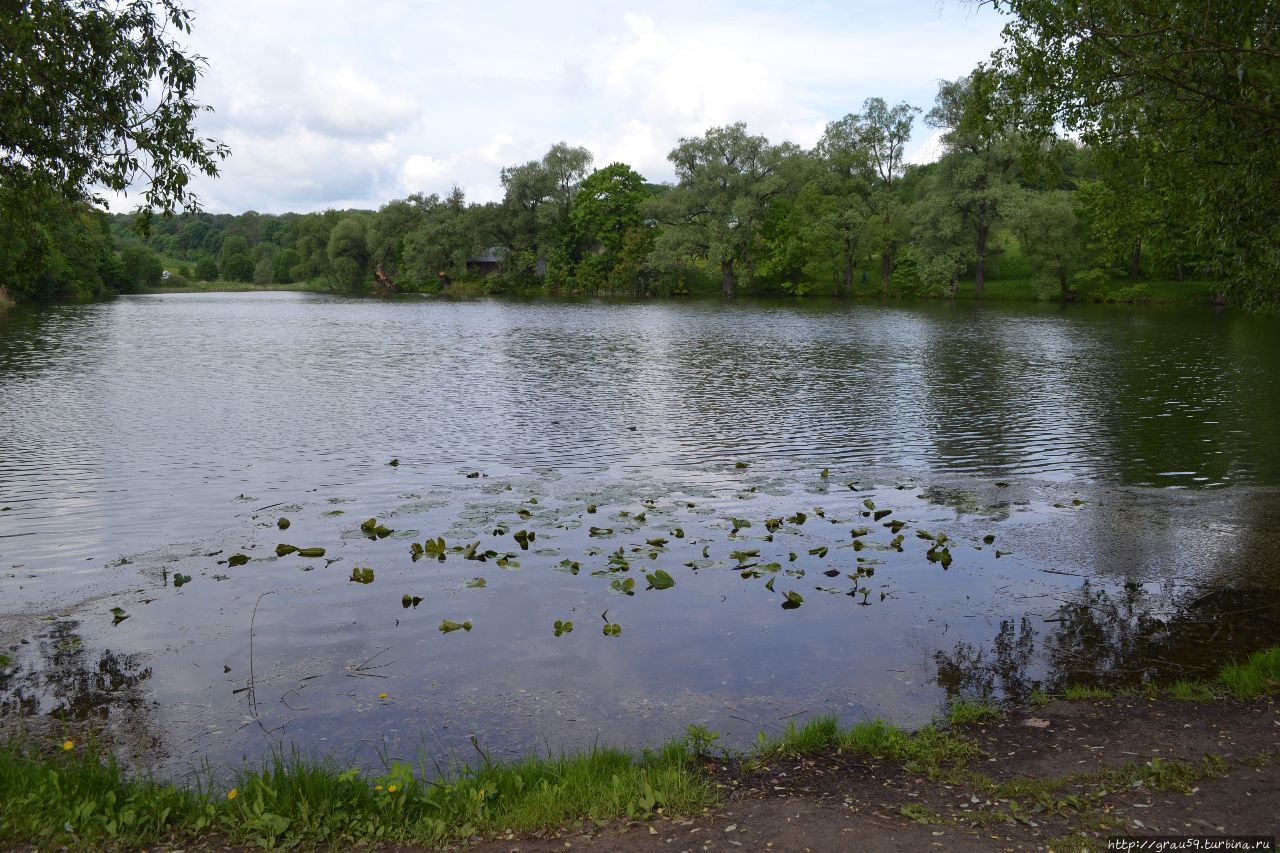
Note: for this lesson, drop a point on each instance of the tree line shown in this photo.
(745, 215)
(1104, 141)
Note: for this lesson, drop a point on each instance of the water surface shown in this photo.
(1124, 459)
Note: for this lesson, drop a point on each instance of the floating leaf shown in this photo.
(740, 465)
(658, 579)
(478, 582)
(310, 553)
(657, 542)
(368, 525)
(831, 573)
(118, 615)
(523, 513)
(382, 531)
(868, 503)
(591, 508)
(448, 626)
(798, 518)
(881, 513)
(435, 548)
(416, 551)
(407, 601)
(772, 524)
(523, 538)
(793, 599)
(741, 556)
(570, 566)
(394, 463)
(824, 474)
(678, 533)
(895, 525)
(819, 552)
(474, 475)
(769, 584)
(626, 586)
(793, 556)
(601, 531)
(989, 539)
(179, 579)
(282, 550)
(241, 559)
(924, 534)
(508, 563)
(282, 523)
(362, 575)
(859, 531)
(564, 627)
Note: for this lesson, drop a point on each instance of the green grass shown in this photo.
(83, 799)
(928, 750)
(965, 711)
(1258, 676)
(1077, 692)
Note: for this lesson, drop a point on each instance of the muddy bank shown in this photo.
(1116, 767)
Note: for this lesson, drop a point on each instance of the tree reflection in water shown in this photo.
(1126, 637)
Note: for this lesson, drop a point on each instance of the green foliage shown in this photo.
(141, 267)
(1182, 99)
(98, 95)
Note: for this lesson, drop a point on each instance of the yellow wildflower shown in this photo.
(391, 789)
(377, 787)
(68, 745)
(231, 795)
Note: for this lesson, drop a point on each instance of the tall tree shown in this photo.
(1188, 90)
(727, 178)
(977, 167)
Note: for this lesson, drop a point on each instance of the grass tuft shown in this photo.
(1258, 676)
(1077, 692)
(965, 711)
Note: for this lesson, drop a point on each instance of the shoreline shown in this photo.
(1197, 758)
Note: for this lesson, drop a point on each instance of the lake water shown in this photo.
(1126, 462)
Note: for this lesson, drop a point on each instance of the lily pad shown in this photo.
(362, 575)
(448, 626)
(283, 523)
(179, 579)
(282, 550)
(658, 579)
(241, 559)
(311, 553)
(407, 601)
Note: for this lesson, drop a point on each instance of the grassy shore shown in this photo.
(74, 794)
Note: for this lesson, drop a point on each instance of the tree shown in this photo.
(1190, 92)
(1048, 227)
(884, 131)
(349, 254)
(842, 204)
(977, 169)
(98, 96)
(727, 178)
(142, 269)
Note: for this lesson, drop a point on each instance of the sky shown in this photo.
(337, 104)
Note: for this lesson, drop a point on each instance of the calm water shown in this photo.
(1126, 461)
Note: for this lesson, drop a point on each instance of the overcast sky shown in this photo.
(351, 104)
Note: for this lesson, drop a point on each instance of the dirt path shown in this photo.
(1097, 769)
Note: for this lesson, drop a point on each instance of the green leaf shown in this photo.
(282, 550)
(448, 626)
(282, 523)
(658, 579)
(478, 582)
(179, 579)
(311, 553)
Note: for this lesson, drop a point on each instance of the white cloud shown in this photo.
(326, 106)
